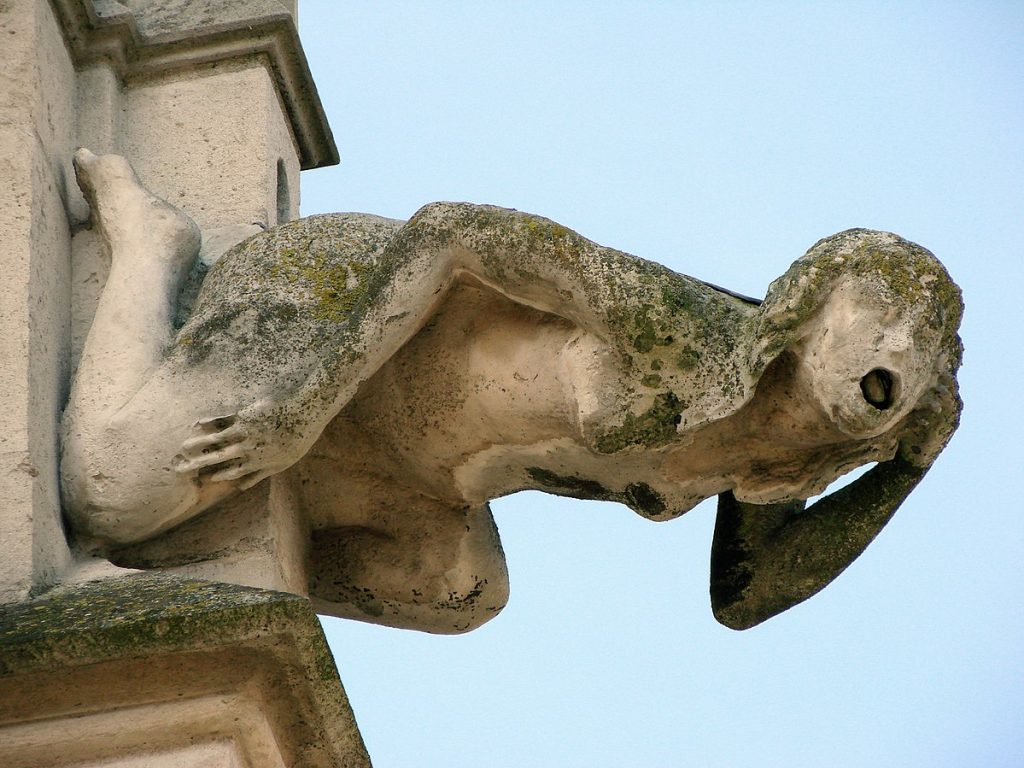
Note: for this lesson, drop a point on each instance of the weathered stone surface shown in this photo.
(142, 79)
(36, 118)
(146, 672)
(398, 375)
(142, 39)
(161, 671)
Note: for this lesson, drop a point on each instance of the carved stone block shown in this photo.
(156, 670)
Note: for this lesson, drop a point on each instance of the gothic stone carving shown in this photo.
(408, 372)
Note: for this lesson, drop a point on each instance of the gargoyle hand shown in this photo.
(931, 424)
(234, 448)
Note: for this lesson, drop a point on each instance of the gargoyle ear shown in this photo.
(766, 558)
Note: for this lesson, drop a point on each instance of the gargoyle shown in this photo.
(409, 372)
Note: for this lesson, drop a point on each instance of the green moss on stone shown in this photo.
(687, 359)
(139, 615)
(639, 497)
(654, 428)
(899, 272)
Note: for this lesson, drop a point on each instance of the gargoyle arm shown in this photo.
(767, 558)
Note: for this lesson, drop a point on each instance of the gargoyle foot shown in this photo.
(129, 216)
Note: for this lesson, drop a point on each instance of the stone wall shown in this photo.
(37, 132)
(213, 104)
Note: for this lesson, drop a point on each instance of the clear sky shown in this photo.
(721, 139)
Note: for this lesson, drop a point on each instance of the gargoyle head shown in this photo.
(873, 319)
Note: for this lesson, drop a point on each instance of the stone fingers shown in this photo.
(212, 458)
(229, 442)
(243, 471)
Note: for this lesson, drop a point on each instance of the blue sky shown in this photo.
(721, 139)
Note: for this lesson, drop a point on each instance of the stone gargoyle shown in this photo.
(410, 371)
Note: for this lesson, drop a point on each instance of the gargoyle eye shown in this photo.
(879, 388)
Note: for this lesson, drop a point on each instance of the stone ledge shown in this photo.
(181, 34)
(216, 663)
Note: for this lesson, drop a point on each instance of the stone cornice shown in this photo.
(126, 642)
(103, 30)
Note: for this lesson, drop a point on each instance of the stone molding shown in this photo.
(151, 664)
(167, 37)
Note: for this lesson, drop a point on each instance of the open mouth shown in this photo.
(879, 388)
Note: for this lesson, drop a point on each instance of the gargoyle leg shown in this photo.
(767, 558)
(152, 245)
(389, 577)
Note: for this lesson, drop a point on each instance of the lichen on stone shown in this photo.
(654, 428)
(134, 616)
(639, 497)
